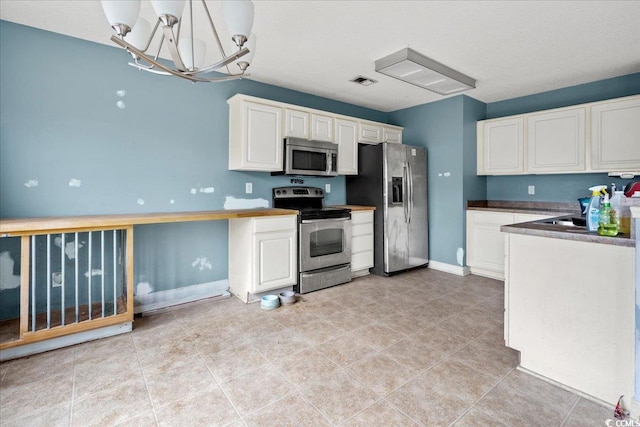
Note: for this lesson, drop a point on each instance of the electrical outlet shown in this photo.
(532, 189)
(248, 188)
(56, 279)
(327, 188)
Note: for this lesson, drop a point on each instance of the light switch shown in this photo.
(532, 189)
(248, 187)
(327, 188)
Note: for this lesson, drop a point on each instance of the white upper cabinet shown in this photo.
(595, 137)
(296, 123)
(321, 127)
(615, 135)
(393, 135)
(255, 136)
(258, 126)
(501, 146)
(369, 132)
(347, 140)
(556, 141)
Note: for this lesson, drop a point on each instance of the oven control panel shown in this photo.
(296, 192)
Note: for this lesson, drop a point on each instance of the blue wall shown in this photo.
(447, 129)
(59, 121)
(557, 188)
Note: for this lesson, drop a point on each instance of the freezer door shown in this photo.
(396, 208)
(418, 230)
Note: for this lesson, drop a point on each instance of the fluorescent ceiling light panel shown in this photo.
(412, 67)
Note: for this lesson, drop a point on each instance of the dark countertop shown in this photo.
(555, 231)
(541, 208)
(566, 232)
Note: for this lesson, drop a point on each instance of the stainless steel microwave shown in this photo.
(303, 157)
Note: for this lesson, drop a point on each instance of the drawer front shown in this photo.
(285, 222)
(361, 260)
(361, 229)
(364, 217)
(496, 218)
(361, 243)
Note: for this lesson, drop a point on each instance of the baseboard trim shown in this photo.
(64, 341)
(163, 299)
(487, 273)
(449, 268)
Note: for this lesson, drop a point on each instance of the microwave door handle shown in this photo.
(329, 163)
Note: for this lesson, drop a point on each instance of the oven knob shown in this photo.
(317, 191)
(277, 191)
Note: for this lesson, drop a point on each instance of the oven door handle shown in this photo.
(314, 221)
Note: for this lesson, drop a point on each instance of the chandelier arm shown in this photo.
(157, 55)
(172, 45)
(133, 49)
(213, 29)
(149, 68)
(222, 62)
(193, 41)
(215, 33)
(153, 33)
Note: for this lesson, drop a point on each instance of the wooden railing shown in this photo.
(91, 309)
(97, 292)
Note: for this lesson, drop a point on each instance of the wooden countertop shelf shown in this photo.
(26, 226)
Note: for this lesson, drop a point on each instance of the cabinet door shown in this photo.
(262, 137)
(501, 151)
(347, 140)
(296, 123)
(361, 241)
(615, 135)
(321, 127)
(276, 260)
(392, 135)
(556, 141)
(369, 132)
(485, 242)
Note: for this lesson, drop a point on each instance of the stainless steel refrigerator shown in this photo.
(393, 178)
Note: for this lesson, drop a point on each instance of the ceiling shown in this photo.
(512, 48)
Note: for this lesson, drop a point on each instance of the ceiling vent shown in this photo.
(412, 67)
(364, 81)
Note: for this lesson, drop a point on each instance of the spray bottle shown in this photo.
(607, 223)
(593, 210)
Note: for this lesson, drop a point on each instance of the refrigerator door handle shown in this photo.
(405, 191)
(410, 191)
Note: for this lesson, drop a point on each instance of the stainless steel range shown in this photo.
(324, 238)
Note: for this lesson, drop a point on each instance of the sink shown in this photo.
(565, 222)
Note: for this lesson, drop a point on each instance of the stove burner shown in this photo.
(308, 201)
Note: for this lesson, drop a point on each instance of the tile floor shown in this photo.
(420, 348)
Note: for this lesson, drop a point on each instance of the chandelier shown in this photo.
(135, 35)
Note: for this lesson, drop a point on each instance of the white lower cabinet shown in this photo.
(361, 242)
(262, 254)
(571, 319)
(486, 243)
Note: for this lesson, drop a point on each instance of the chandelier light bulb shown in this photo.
(195, 61)
(238, 16)
(139, 34)
(165, 8)
(121, 15)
